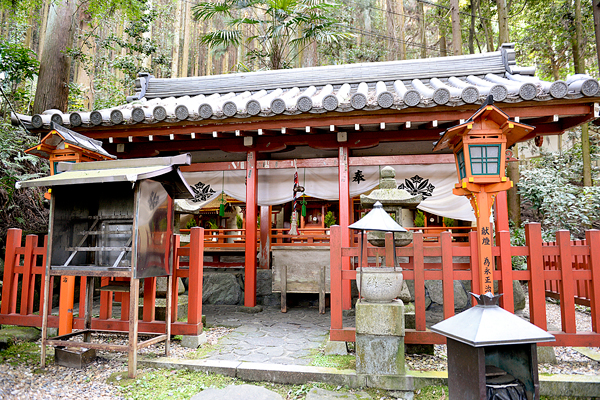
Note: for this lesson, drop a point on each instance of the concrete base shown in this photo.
(546, 355)
(193, 341)
(380, 355)
(336, 348)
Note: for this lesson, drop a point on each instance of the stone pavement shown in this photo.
(269, 336)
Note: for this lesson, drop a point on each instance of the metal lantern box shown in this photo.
(112, 219)
(491, 351)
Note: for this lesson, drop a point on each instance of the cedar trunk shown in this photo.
(52, 90)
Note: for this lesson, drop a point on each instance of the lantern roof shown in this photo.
(514, 131)
(59, 136)
(377, 220)
(487, 324)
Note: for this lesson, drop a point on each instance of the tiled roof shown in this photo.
(450, 81)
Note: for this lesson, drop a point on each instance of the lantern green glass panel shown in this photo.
(460, 156)
(485, 159)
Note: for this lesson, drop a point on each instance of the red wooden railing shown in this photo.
(26, 264)
(579, 263)
(416, 269)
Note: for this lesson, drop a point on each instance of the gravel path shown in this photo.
(56, 382)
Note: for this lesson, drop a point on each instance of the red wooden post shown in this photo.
(105, 300)
(28, 261)
(11, 260)
(501, 213)
(475, 288)
(419, 268)
(265, 236)
(251, 217)
(567, 291)
(593, 241)
(335, 270)
(344, 189)
(447, 274)
(505, 284)
(149, 309)
(175, 280)
(196, 273)
(535, 265)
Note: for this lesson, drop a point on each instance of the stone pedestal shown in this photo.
(380, 338)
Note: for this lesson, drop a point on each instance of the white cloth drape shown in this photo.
(275, 186)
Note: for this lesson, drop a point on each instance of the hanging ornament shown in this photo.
(303, 202)
(222, 205)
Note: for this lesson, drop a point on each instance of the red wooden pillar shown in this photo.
(593, 241)
(11, 260)
(265, 236)
(196, 268)
(501, 212)
(344, 185)
(251, 217)
(535, 265)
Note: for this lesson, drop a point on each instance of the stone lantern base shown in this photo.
(380, 338)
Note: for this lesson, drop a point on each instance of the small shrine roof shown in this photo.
(425, 83)
(70, 137)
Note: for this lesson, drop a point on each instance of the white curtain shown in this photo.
(275, 186)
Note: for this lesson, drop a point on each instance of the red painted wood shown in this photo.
(567, 292)
(501, 212)
(505, 284)
(574, 339)
(427, 337)
(447, 274)
(195, 277)
(344, 189)
(335, 271)
(105, 299)
(593, 241)
(11, 259)
(149, 310)
(251, 218)
(419, 277)
(535, 264)
(474, 253)
(343, 335)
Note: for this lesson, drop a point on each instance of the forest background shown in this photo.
(84, 55)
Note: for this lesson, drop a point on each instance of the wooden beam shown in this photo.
(251, 218)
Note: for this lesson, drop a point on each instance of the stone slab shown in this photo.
(390, 382)
(221, 367)
(546, 355)
(298, 374)
(380, 318)
(237, 392)
(379, 355)
(589, 353)
(570, 385)
(322, 394)
(335, 348)
(193, 341)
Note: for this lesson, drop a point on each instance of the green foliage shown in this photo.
(284, 28)
(419, 218)
(191, 223)
(329, 219)
(553, 189)
(239, 221)
(17, 62)
(335, 361)
(432, 393)
(24, 353)
(449, 222)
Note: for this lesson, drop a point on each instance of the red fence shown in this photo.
(24, 272)
(565, 275)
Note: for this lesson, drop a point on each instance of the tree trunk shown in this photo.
(391, 30)
(176, 38)
(472, 29)
(577, 41)
(43, 25)
(487, 29)
(596, 7)
(512, 196)
(423, 33)
(456, 34)
(187, 32)
(87, 47)
(401, 28)
(442, 34)
(53, 80)
(585, 155)
(502, 22)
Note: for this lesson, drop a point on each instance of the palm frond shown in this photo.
(222, 38)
